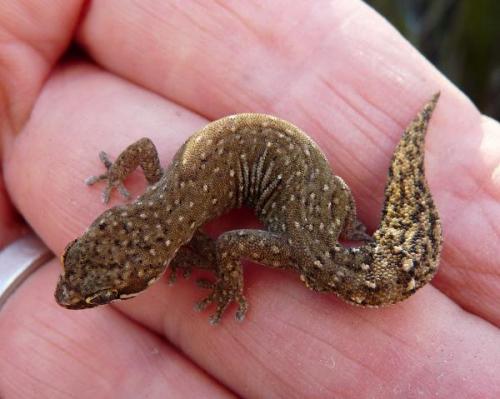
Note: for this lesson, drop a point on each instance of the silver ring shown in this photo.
(18, 260)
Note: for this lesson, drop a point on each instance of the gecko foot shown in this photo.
(112, 183)
(223, 297)
(172, 277)
(358, 233)
(204, 283)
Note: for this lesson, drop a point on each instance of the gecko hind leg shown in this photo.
(141, 153)
(356, 231)
(353, 228)
(184, 260)
(256, 245)
(200, 252)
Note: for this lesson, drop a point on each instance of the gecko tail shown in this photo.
(404, 253)
(408, 242)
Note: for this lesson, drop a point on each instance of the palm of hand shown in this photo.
(161, 77)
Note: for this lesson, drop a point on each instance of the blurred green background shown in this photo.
(462, 38)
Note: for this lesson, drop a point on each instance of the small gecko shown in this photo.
(270, 165)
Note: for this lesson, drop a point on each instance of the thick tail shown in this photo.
(405, 252)
(408, 241)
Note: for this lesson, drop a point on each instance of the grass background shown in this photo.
(461, 38)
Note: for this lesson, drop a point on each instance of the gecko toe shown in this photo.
(221, 308)
(106, 194)
(172, 277)
(94, 179)
(123, 191)
(105, 159)
(204, 303)
(362, 236)
(242, 308)
(204, 283)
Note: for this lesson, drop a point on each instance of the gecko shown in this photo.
(270, 165)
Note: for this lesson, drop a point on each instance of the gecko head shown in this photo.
(78, 287)
(98, 268)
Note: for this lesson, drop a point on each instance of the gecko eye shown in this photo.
(102, 297)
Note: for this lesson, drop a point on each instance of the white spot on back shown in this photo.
(408, 265)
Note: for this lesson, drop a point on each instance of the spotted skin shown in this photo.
(271, 166)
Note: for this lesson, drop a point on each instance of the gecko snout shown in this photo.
(65, 294)
(67, 297)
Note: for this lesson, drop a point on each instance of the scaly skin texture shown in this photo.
(270, 165)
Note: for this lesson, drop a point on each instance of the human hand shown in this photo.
(159, 69)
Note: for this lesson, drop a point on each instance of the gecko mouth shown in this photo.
(102, 297)
(69, 298)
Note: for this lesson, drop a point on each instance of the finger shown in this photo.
(97, 354)
(287, 325)
(343, 75)
(33, 35)
(11, 223)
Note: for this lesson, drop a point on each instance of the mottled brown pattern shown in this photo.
(270, 165)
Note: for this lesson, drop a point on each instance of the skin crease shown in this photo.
(439, 343)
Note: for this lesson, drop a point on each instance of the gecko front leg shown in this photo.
(200, 251)
(256, 245)
(141, 153)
